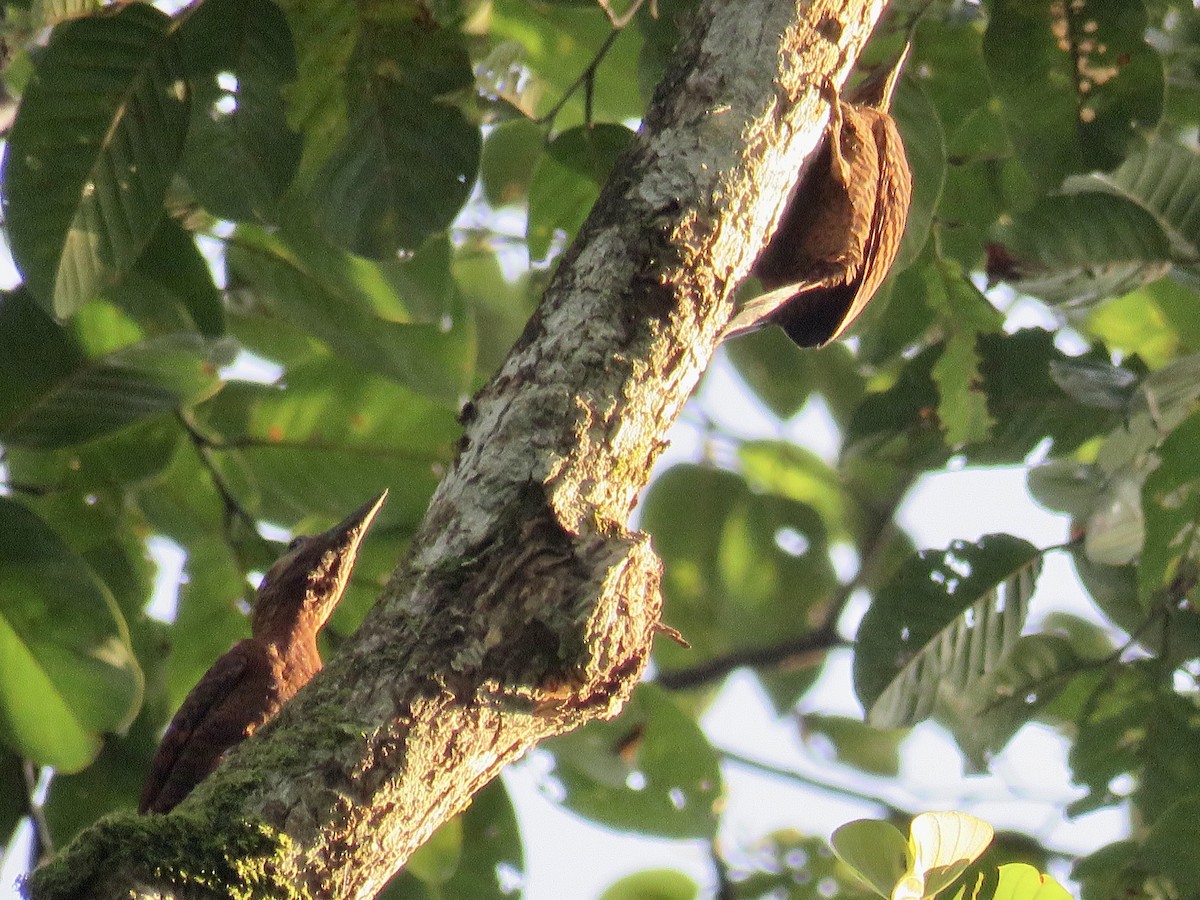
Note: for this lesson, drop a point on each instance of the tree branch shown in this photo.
(525, 607)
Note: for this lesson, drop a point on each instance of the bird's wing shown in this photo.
(218, 682)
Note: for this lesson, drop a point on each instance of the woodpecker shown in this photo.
(843, 225)
(246, 687)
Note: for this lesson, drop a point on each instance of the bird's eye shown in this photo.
(295, 542)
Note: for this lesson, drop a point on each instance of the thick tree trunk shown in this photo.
(525, 607)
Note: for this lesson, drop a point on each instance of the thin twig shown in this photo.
(792, 653)
(233, 508)
(585, 77)
(811, 782)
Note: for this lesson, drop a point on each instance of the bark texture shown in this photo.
(525, 606)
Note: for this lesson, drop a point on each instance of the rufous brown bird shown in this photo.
(842, 227)
(246, 687)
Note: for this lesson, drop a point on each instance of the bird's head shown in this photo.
(301, 589)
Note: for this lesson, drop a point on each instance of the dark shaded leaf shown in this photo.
(121, 389)
(240, 154)
(93, 148)
(409, 159)
(349, 304)
(1077, 249)
(175, 267)
(1073, 86)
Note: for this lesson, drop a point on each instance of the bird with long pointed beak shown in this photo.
(246, 687)
(842, 227)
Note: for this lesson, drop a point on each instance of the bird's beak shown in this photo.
(349, 532)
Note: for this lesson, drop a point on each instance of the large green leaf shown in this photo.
(67, 670)
(1165, 178)
(93, 148)
(1077, 249)
(172, 268)
(556, 45)
(1170, 501)
(783, 376)
(653, 884)
(945, 621)
(925, 147)
(240, 154)
(875, 851)
(652, 770)
(408, 161)
(127, 386)
(1173, 846)
(741, 568)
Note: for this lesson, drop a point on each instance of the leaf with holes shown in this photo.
(946, 620)
(93, 148)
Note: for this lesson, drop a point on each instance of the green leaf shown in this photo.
(489, 832)
(1094, 382)
(409, 159)
(783, 375)
(962, 408)
(738, 566)
(123, 388)
(1164, 178)
(507, 164)
(1065, 486)
(240, 154)
(325, 33)
(787, 470)
(1032, 674)
(1078, 249)
(567, 180)
(653, 884)
(557, 45)
(925, 147)
(175, 268)
(945, 621)
(91, 153)
(651, 771)
(435, 861)
(68, 671)
(787, 863)
(1170, 500)
(876, 851)
(330, 406)
(35, 354)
